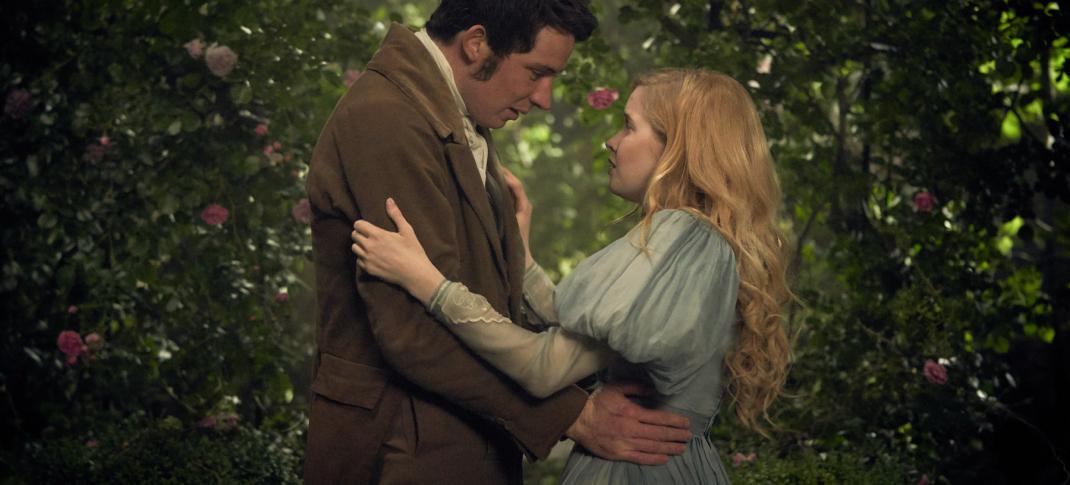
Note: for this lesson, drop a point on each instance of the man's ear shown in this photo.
(474, 46)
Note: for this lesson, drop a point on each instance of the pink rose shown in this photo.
(104, 141)
(934, 372)
(923, 201)
(70, 343)
(268, 150)
(351, 76)
(261, 129)
(195, 48)
(207, 422)
(302, 211)
(740, 458)
(72, 309)
(282, 297)
(214, 215)
(602, 98)
(17, 103)
(94, 342)
(220, 60)
(276, 145)
(924, 480)
(91, 444)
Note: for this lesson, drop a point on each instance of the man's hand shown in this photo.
(615, 428)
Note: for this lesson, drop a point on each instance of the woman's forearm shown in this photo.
(543, 363)
(423, 284)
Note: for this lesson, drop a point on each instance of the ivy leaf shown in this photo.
(46, 221)
(241, 94)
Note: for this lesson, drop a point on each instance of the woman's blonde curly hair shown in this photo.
(717, 165)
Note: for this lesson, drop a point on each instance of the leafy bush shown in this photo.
(817, 469)
(152, 157)
(166, 452)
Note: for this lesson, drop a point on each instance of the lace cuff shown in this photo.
(453, 303)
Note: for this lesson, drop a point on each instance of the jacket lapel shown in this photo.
(513, 248)
(464, 169)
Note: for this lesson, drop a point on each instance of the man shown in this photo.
(397, 398)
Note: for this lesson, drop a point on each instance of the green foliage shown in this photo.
(166, 452)
(810, 468)
(126, 139)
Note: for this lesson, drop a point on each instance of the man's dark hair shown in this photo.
(512, 24)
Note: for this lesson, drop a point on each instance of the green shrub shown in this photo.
(165, 452)
(153, 201)
(810, 468)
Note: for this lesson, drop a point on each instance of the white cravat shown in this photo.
(476, 142)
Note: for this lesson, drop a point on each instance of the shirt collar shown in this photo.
(444, 67)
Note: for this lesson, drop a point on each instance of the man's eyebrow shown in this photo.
(543, 69)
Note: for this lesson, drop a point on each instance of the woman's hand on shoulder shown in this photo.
(395, 257)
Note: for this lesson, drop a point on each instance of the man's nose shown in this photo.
(543, 95)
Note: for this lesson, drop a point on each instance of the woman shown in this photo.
(694, 290)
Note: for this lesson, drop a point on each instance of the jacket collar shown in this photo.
(404, 61)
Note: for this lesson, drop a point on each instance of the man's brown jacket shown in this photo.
(397, 133)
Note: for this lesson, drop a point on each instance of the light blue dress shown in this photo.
(670, 314)
(663, 315)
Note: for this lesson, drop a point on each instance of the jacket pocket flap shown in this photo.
(349, 382)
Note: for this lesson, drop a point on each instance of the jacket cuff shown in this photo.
(543, 424)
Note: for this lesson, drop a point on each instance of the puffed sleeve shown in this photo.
(669, 306)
